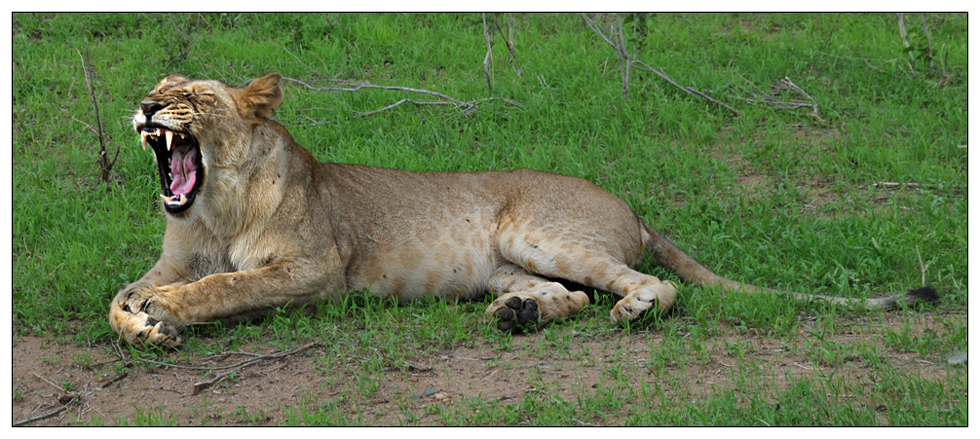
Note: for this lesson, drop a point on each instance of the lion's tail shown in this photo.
(665, 254)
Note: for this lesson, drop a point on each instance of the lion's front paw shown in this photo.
(136, 297)
(140, 327)
(136, 315)
(512, 310)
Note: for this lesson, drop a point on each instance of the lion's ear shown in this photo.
(260, 96)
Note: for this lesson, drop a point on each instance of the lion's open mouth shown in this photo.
(179, 164)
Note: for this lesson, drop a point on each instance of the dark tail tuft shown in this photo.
(926, 294)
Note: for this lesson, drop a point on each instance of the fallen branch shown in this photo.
(928, 38)
(105, 164)
(877, 69)
(893, 185)
(487, 60)
(114, 380)
(508, 39)
(40, 417)
(905, 38)
(827, 40)
(64, 399)
(466, 106)
(761, 97)
(204, 385)
(618, 43)
(921, 267)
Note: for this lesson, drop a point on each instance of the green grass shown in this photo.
(731, 191)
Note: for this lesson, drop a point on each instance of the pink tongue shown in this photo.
(183, 170)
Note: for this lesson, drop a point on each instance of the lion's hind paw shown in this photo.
(514, 312)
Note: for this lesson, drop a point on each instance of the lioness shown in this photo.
(254, 222)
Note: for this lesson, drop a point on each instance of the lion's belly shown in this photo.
(455, 261)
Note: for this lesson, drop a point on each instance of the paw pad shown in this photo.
(515, 313)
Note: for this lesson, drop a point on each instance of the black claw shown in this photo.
(150, 321)
(514, 303)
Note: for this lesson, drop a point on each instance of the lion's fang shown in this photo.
(170, 138)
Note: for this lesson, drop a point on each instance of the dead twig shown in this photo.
(204, 385)
(877, 69)
(905, 38)
(616, 39)
(893, 185)
(65, 398)
(112, 381)
(928, 39)
(825, 41)
(466, 106)
(488, 59)
(40, 417)
(62, 389)
(509, 40)
(105, 165)
(921, 267)
(618, 43)
(760, 97)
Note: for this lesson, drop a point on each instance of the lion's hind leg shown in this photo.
(526, 299)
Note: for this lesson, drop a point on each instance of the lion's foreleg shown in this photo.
(142, 311)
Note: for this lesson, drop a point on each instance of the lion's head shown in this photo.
(195, 126)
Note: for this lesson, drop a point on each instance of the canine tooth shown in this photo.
(170, 138)
(166, 199)
(183, 199)
(143, 139)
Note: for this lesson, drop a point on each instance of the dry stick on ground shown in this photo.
(921, 267)
(928, 39)
(825, 41)
(760, 97)
(105, 165)
(489, 57)
(204, 385)
(877, 69)
(256, 358)
(509, 40)
(41, 416)
(627, 61)
(64, 405)
(467, 106)
(618, 43)
(905, 38)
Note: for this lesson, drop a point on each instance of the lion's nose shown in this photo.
(149, 108)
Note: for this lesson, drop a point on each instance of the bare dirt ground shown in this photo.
(263, 393)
